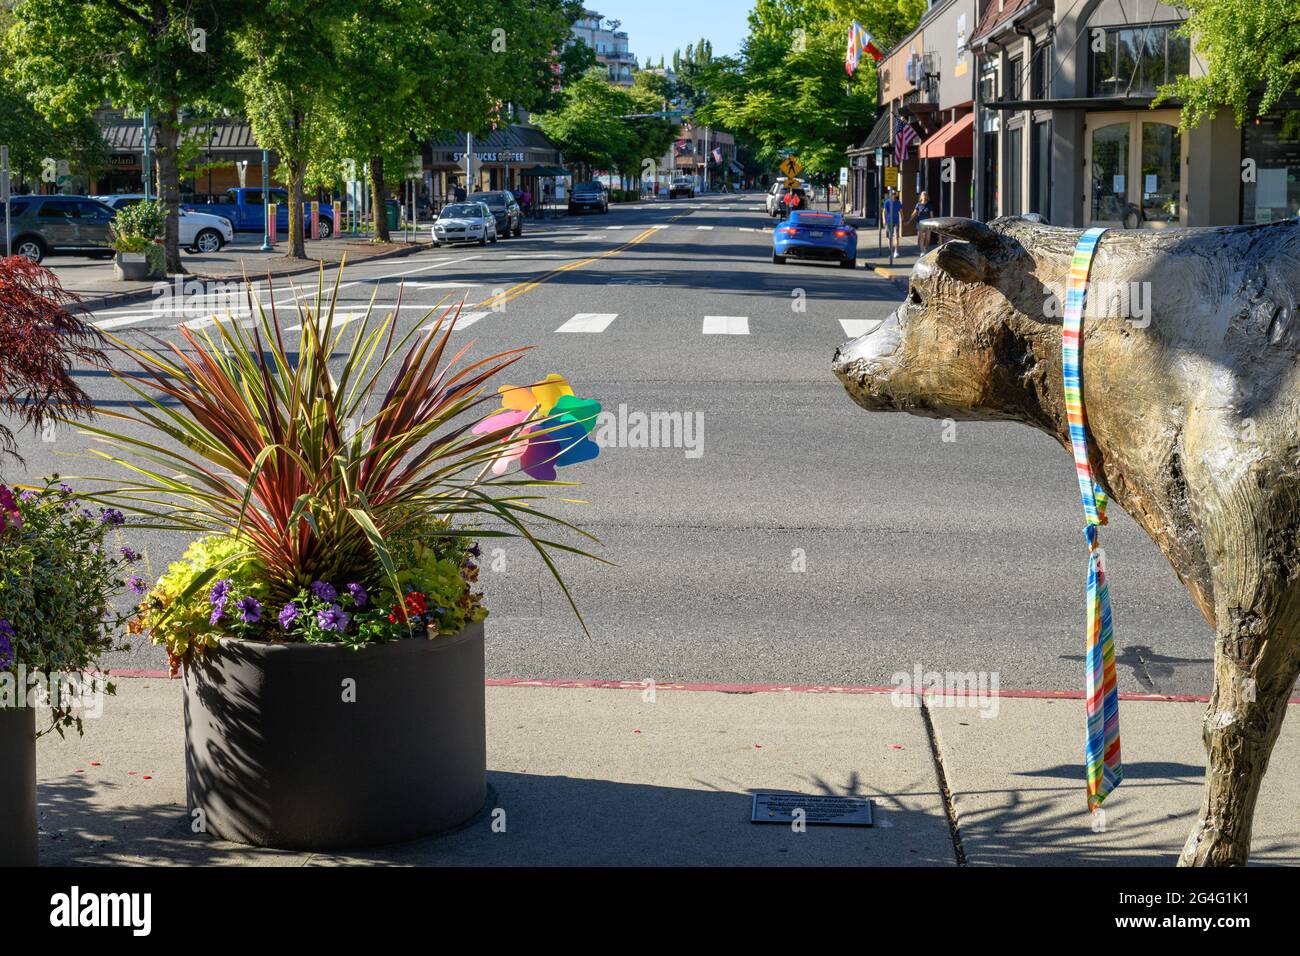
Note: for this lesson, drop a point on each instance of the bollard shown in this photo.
(315, 220)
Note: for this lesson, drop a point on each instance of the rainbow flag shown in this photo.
(1101, 749)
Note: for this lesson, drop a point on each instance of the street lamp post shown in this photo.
(266, 209)
(144, 162)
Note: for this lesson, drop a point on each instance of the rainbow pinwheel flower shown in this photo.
(552, 424)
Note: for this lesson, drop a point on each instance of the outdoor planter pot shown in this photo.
(316, 746)
(17, 786)
(133, 267)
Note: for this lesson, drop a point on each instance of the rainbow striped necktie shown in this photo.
(1102, 747)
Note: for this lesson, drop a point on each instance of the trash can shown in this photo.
(394, 214)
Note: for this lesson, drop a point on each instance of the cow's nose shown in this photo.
(871, 348)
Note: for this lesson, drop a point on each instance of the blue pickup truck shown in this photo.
(243, 207)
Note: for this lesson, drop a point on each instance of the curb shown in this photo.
(139, 295)
(717, 688)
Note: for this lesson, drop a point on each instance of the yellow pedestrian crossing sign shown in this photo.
(791, 166)
(791, 183)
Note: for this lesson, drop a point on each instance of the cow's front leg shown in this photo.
(1240, 727)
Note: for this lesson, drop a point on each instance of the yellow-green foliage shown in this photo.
(180, 621)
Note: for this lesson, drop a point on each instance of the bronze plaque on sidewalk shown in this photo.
(790, 808)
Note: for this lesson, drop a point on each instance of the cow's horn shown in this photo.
(959, 227)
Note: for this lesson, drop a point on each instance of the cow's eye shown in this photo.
(914, 297)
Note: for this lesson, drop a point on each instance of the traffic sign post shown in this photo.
(4, 195)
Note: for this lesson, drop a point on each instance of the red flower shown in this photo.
(413, 605)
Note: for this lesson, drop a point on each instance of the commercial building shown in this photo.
(609, 44)
(1035, 106)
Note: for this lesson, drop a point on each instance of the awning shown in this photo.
(880, 133)
(952, 140)
(545, 171)
(736, 167)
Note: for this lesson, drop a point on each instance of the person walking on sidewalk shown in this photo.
(892, 214)
(922, 211)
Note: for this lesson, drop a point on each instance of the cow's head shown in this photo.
(960, 344)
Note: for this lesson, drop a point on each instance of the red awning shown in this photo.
(955, 139)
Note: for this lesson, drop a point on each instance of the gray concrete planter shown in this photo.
(134, 267)
(17, 786)
(276, 754)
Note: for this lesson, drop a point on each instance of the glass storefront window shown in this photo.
(1110, 145)
(1040, 169)
(1015, 160)
(1161, 172)
(1145, 57)
(1273, 143)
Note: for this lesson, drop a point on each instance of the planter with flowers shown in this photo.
(61, 566)
(326, 621)
(137, 232)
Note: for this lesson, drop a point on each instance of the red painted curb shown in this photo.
(560, 683)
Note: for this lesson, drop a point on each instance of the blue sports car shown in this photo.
(806, 234)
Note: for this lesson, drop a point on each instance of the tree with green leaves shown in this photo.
(1251, 54)
(71, 56)
(787, 91)
(587, 127)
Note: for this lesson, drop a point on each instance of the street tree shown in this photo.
(1251, 54)
(587, 127)
(787, 91)
(69, 57)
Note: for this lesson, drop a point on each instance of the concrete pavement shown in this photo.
(596, 776)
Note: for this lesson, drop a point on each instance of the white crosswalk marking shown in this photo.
(465, 320)
(726, 325)
(662, 225)
(439, 285)
(703, 227)
(613, 227)
(340, 319)
(122, 321)
(589, 322)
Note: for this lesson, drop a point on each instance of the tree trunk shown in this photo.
(378, 195)
(297, 171)
(169, 135)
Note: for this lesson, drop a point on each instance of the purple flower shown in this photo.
(65, 489)
(250, 610)
(216, 615)
(359, 596)
(137, 584)
(475, 550)
(7, 637)
(288, 614)
(324, 591)
(27, 495)
(333, 618)
(131, 555)
(111, 516)
(220, 591)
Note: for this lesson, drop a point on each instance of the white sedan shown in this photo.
(465, 222)
(199, 232)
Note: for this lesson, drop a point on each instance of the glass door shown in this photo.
(1135, 163)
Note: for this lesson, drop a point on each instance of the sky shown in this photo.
(657, 27)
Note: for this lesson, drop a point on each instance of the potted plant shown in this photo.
(325, 620)
(61, 567)
(137, 231)
(56, 582)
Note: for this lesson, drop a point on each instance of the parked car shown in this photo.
(504, 206)
(245, 211)
(815, 235)
(199, 232)
(41, 226)
(681, 186)
(590, 195)
(465, 222)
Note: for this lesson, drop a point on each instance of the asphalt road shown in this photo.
(802, 540)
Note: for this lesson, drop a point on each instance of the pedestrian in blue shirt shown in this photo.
(892, 213)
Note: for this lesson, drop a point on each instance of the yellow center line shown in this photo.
(516, 291)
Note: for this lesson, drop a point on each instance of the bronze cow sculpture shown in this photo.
(1193, 417)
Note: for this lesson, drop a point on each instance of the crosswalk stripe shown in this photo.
(613, 227)
(703, 227)
(465, 320)
(856, 327)
(726, 325)
(589, 322)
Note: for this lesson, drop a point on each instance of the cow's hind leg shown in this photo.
(1253, 677)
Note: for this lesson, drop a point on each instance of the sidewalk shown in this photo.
(599, 776)
(93, 280)
(877, 257)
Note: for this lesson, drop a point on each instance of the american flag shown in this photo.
(903, 136)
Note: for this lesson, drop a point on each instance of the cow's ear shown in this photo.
(972, 230)
(963, 261)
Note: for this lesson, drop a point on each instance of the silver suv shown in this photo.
(40, 226)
